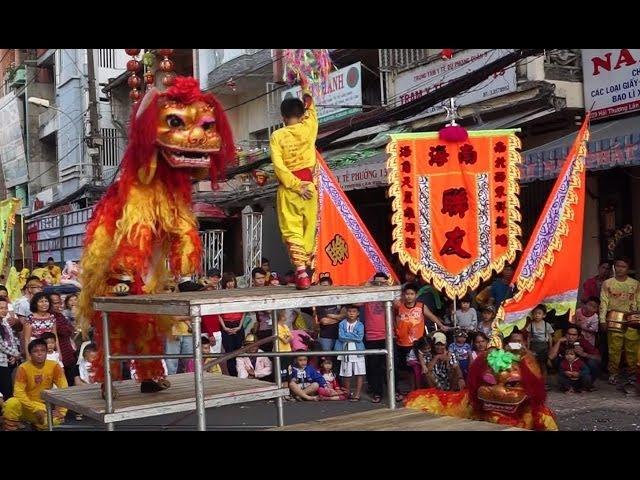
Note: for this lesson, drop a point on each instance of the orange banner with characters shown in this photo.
(456, 209)
(345, 250)
(549, 270)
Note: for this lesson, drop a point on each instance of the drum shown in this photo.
(616, 321)
(633, 320)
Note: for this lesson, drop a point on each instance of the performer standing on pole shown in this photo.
(293, 153)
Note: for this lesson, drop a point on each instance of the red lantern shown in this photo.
(133, 65)
(134, 81)
(165, 52)
(149, 78)
(166, 65)
(132, 51)
(135, 94)
(446, 53)
(169, 79)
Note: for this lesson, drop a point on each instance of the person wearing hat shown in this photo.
(461, 349)
(443, 371)
(259, 368)
(487, 314)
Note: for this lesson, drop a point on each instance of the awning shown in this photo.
(514, 120)
(615, 143)
(206, 210)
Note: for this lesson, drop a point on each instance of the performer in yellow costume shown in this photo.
(619, 296)
(32, 378)
(293, 154)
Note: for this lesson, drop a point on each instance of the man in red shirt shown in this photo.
(373, 317)
(593, 285)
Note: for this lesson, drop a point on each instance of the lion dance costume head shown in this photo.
(145, 216)
(504, 387)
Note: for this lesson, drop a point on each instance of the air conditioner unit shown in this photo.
(18, 77)
(56, 192)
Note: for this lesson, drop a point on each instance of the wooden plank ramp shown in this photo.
(219, 390)
(401, 419)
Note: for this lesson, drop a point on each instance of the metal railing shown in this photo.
(198, 356)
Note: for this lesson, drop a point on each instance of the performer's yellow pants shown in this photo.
(298, 220)
(14, 413)
(629, 341)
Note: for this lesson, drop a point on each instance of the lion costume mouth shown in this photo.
(499, 399)
(186, 158)
(509, 408)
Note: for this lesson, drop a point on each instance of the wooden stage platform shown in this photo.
(195, 391)
(219, 390)
(243, 300)
(401, 419)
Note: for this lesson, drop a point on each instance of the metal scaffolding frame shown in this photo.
(251, 241)
(212, 249)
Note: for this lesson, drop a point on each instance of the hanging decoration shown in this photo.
(308, 67)
(148, 60)
(134, 80)
(166, 65)
(453, 132)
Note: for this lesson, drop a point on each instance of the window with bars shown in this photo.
(107, 57)
(110, 148)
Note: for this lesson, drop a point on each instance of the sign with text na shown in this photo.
(455, 206)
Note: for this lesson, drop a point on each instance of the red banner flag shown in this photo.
(345, 250)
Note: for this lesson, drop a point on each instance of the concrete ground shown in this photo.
(604, 409)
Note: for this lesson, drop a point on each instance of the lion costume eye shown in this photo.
(208, 125)
(174, 121)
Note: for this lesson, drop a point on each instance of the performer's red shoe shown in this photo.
(303, 283)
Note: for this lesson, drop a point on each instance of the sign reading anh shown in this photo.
(341, 95)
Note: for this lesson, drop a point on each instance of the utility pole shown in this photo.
(94, 133)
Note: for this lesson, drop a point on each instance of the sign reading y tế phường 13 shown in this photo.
(344, 88)
(611, 81)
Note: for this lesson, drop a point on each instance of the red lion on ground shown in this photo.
(145, 217)
(503, 387)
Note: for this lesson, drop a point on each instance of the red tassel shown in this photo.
(453, 133)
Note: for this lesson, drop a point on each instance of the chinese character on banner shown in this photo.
(455, 205)
(337, 250)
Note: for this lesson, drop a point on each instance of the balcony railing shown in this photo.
(563, 65)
